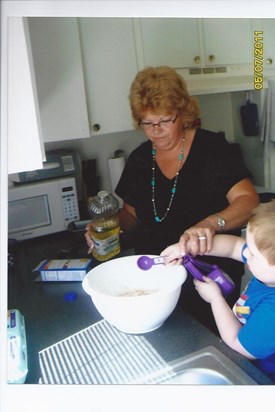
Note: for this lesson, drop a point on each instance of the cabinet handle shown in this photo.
(197, 59)
(96, 127)
(269, 61)
(211, 58)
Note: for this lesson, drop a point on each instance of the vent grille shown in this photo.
(207, 70)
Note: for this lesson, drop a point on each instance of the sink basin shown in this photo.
(207, 366)
(199, 376)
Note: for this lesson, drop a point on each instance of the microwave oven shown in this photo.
(41, 208)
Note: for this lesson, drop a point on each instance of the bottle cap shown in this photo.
(103, 205)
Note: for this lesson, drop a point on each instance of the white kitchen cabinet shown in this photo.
(24, 143)
(267, 26)
(227, 41)
(172, 42)
(184, 42)
(59, 78)
(110, 65)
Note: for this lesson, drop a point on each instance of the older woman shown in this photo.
(184, 181)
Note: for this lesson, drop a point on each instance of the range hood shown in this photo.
(219, 79)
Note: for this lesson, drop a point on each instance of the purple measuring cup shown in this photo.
(214, 272)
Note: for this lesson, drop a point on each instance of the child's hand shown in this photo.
(207, 289)
(173, 253)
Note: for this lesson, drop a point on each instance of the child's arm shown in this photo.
(227, 323)
(223, 246)
(227, 246)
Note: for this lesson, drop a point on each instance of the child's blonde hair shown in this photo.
(262, 226)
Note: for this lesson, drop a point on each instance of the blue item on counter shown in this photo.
(70, 296)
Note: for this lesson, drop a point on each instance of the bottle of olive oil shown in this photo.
(103, 210)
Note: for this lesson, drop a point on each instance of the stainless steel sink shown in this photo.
(205, 367)
(199, 376)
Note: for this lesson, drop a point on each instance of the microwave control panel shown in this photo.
(70, 204)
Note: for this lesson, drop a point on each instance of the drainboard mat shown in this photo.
(100, 354)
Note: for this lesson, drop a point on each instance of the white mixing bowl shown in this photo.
(131, 299)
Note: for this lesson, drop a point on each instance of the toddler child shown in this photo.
(250, 327)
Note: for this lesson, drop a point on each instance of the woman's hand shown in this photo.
(87, 235)
(208, 289)
(197, 240)
(127, 221)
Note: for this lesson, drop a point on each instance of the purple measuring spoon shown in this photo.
(145, 262)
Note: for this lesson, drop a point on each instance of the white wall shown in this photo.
(252, 147)
(221, 112)
(216, 113)
(102, 148)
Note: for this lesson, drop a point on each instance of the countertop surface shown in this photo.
(49, 318)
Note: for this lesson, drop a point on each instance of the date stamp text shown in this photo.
(258, 60)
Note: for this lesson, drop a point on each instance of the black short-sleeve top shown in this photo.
(210, 171)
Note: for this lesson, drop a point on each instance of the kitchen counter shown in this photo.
(49, 318)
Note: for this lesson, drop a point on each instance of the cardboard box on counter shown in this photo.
(63, 270)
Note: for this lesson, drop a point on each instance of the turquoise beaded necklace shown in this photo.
(174, 187)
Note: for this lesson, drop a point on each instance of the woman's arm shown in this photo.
(127, 217)
(242, 198)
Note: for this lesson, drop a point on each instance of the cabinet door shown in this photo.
(170, 42)
(268, 28)
(25, 149)
(59, 77)
(110, 65)
(227, 41)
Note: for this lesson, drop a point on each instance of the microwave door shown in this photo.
(42, 208)
(28, 214)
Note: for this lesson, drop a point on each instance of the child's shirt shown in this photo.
(255, 309)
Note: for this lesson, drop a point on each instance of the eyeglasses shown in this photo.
(163, 123)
